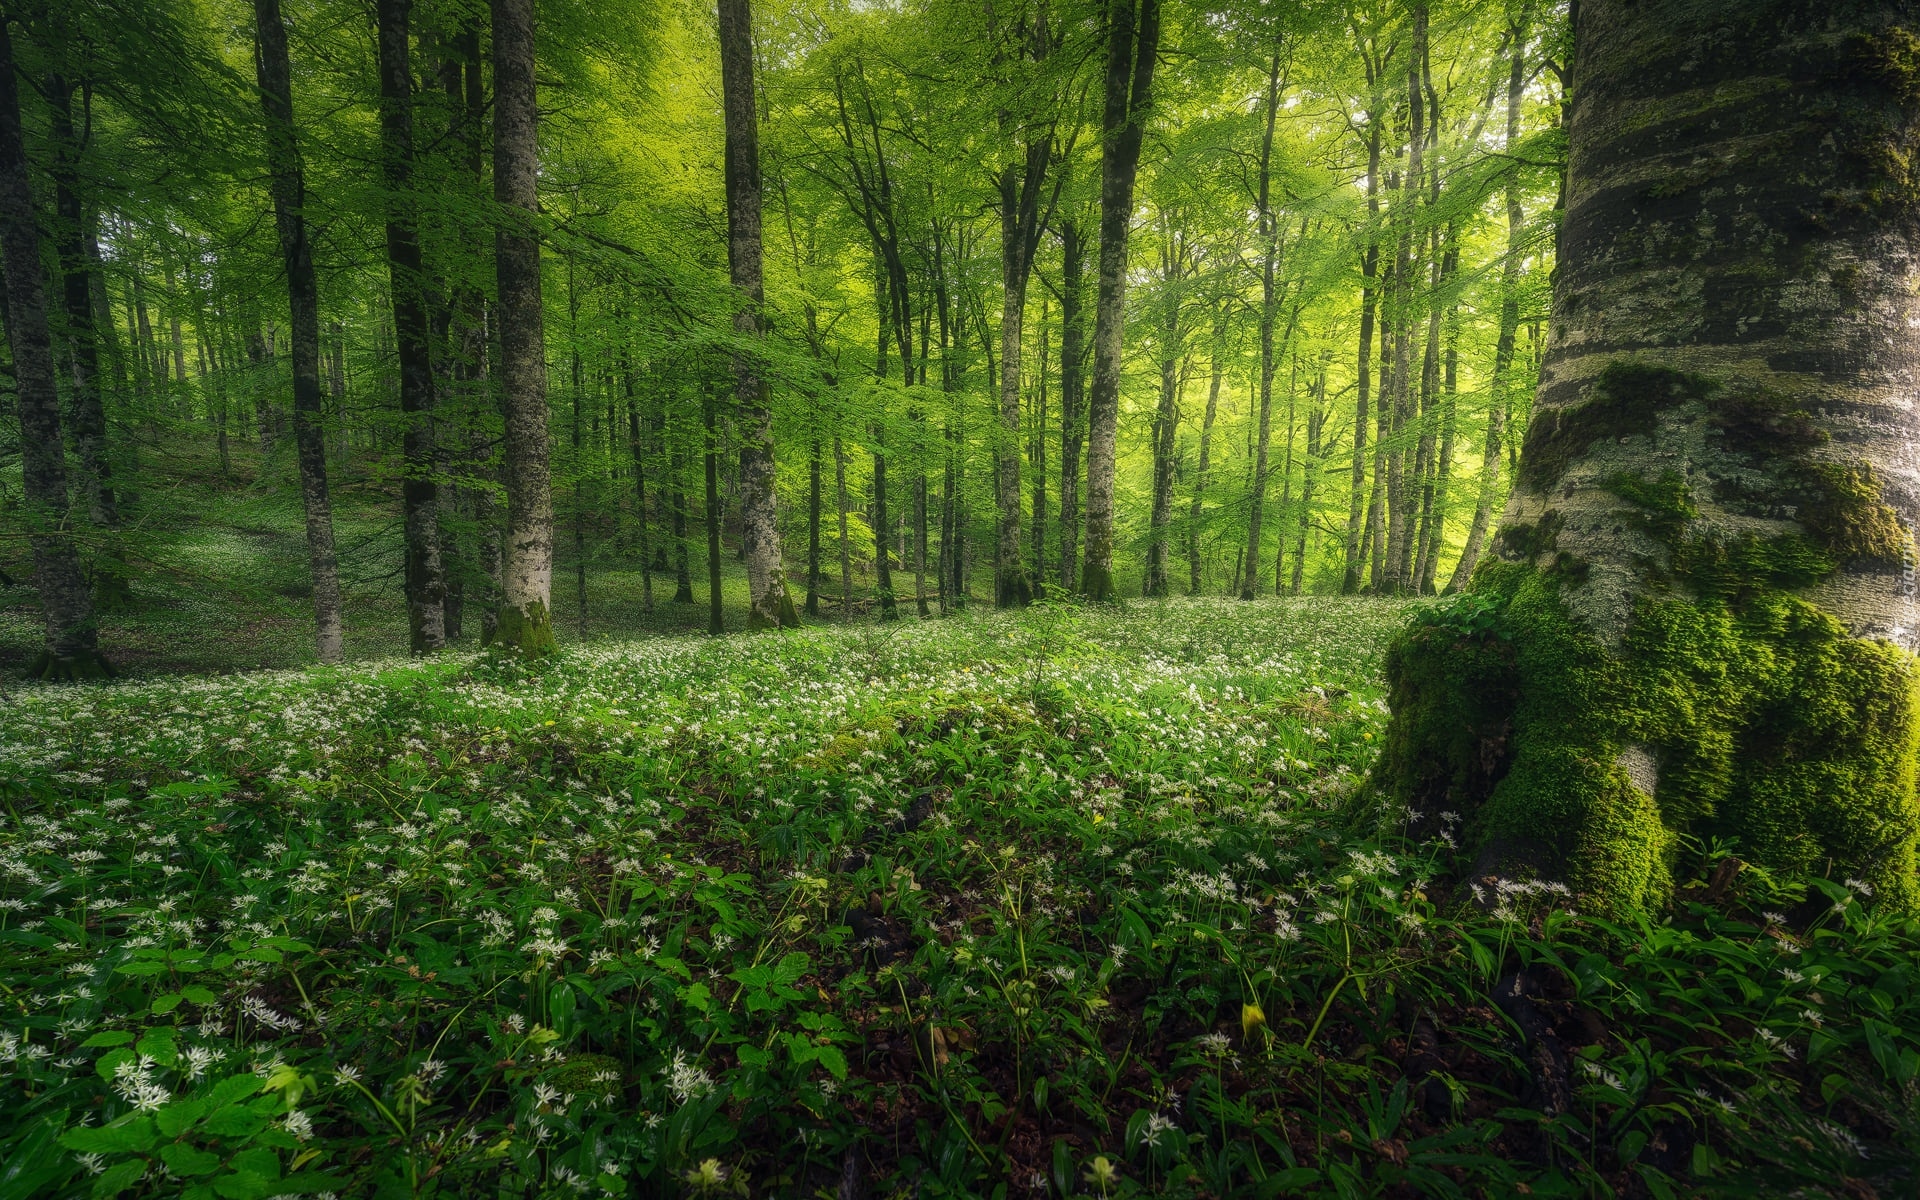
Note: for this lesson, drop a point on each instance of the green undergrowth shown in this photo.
(1074, 902)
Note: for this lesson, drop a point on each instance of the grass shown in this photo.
(1075, 902)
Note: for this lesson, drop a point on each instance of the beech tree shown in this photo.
(1697, 618)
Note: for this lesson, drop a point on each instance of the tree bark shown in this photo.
(526, 602)
(71, 650)
(770, 607)
(412, 335)
(1133, 41)
(1699, 614)
(1363, 370)
(1072, 381)
(288, 185)
(1019, 239)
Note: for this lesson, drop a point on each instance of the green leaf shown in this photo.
(258, 1161)
(142, 968)
(233, 1089)
(183, 1159)
(167, 1003)
(118, 1178)
(834, 1061)
(245, 1185)
(110, 1037)
(233, 1121)
(176, 1118)
(159, 1045)
(199, 995)
(753, 1056)
(109, 1062)
(126, 1136)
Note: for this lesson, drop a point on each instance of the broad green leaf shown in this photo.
(129, 1135)
(158, 1044)
(233, 1121)
(183, 1159)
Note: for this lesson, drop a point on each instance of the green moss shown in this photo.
(528, 632)
(1722, 568)
(1666, 503)
(1849, 519)
(1626, 398)
(1758, 718)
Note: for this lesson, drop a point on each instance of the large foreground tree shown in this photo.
(1699, 611)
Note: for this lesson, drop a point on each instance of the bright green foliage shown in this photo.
(979, 899)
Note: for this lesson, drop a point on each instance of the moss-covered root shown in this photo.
(86, 666)
(525, 630)
(1758, 721)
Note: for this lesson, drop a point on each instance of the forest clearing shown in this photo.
(868, 599)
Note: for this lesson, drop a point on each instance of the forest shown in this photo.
(1044, 598)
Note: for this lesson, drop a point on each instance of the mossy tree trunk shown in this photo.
(1698, 615)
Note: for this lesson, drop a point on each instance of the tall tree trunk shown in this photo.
(1363, 373)
(770, 606)
(74, 237)
(289, 202)
(1072, 380)
(1019, 237)
(716, 622)
(1133, 42)
(1400, 522)
(71, 650)
(1492, 458)
(813, 527)
(526, 602)
(1316, 421)
(412, 336)
(637, 448)
(682, 565)
(1166, 419)
(846, 546)
(1197, 509)
(1653, 654)
(1269, 232)
(1038, 444)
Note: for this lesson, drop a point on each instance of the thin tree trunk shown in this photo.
(71, 650)
(412, 337)
(1019, 237)
(813, 528)
(1316, 421)
(637, 448)
(716, 623)
(1072, 360)
(1133, 42)
(846, 546)
(1197, 510)
(1492, 459)
(289, 201)
(526, 602)
(1369, 268)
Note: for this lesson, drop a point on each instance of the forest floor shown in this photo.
(1070, 902)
